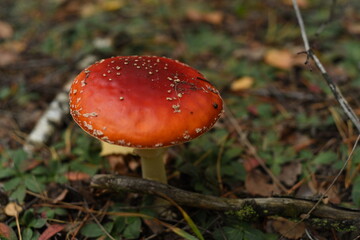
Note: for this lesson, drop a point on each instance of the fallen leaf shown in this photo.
(6, 232)
(117, 164)
(301, 3)
(9, 52)
(51, 231)
(353, 27)
(6, 30)
(289, 229)
(242, 83)
(61, 196)
(110, 149)
(250, 164)
(290, 172)
(111, 5)
(77, 176)
(12, 209)
(257, 183)
(154, 226)
(7, 57)
(301, 142)
(282, 59)
(215, 17)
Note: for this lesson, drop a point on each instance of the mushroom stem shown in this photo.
(152, 164)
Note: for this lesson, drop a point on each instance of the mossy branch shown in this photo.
(327, 216)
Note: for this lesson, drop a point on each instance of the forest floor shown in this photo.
(282, 134)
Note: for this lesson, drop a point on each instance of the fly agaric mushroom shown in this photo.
(144, 102)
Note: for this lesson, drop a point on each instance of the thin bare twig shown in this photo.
(335, 179)
(252, 150)
(333, 87)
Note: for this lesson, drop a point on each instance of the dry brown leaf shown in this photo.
(117, 164)
(110, 149)
(353, 27)
(215, 17)
(301, 3)
(288, 228)
(7, 57)
(250, 164)
(289, 173)
(61, 196)
(77, 176)
(279, 58)
(9, 52)
(301, 142)
(12, 209)
(257, 183)
(242, 83)
(6, 30)
(155, 226)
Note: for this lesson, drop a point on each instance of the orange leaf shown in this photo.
(77, 176)
(282, 59)
(242, 83)
(51, 231)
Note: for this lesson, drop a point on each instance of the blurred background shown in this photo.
(250, 50)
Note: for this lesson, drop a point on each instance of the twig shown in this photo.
(335, 179)
(333, 87)
(260, 207)
(252, 150)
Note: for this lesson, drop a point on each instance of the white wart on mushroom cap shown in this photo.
(144, 101)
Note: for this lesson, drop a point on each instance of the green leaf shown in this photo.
(325, 158)
(355, 192)
(18, 156)
(19, 193)
(132, 229)
(7, 172)
(183, 234)
(27, 233)
(241, 232)
(12, 184)
(91, 230)
(33, 185)
(37, 223)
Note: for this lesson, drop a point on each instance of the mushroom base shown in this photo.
(152, 164)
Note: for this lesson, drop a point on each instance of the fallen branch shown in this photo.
(327, 216)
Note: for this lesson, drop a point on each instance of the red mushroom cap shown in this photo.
(144, 101)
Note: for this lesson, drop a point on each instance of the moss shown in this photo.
(338, 226)
(247, 213)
